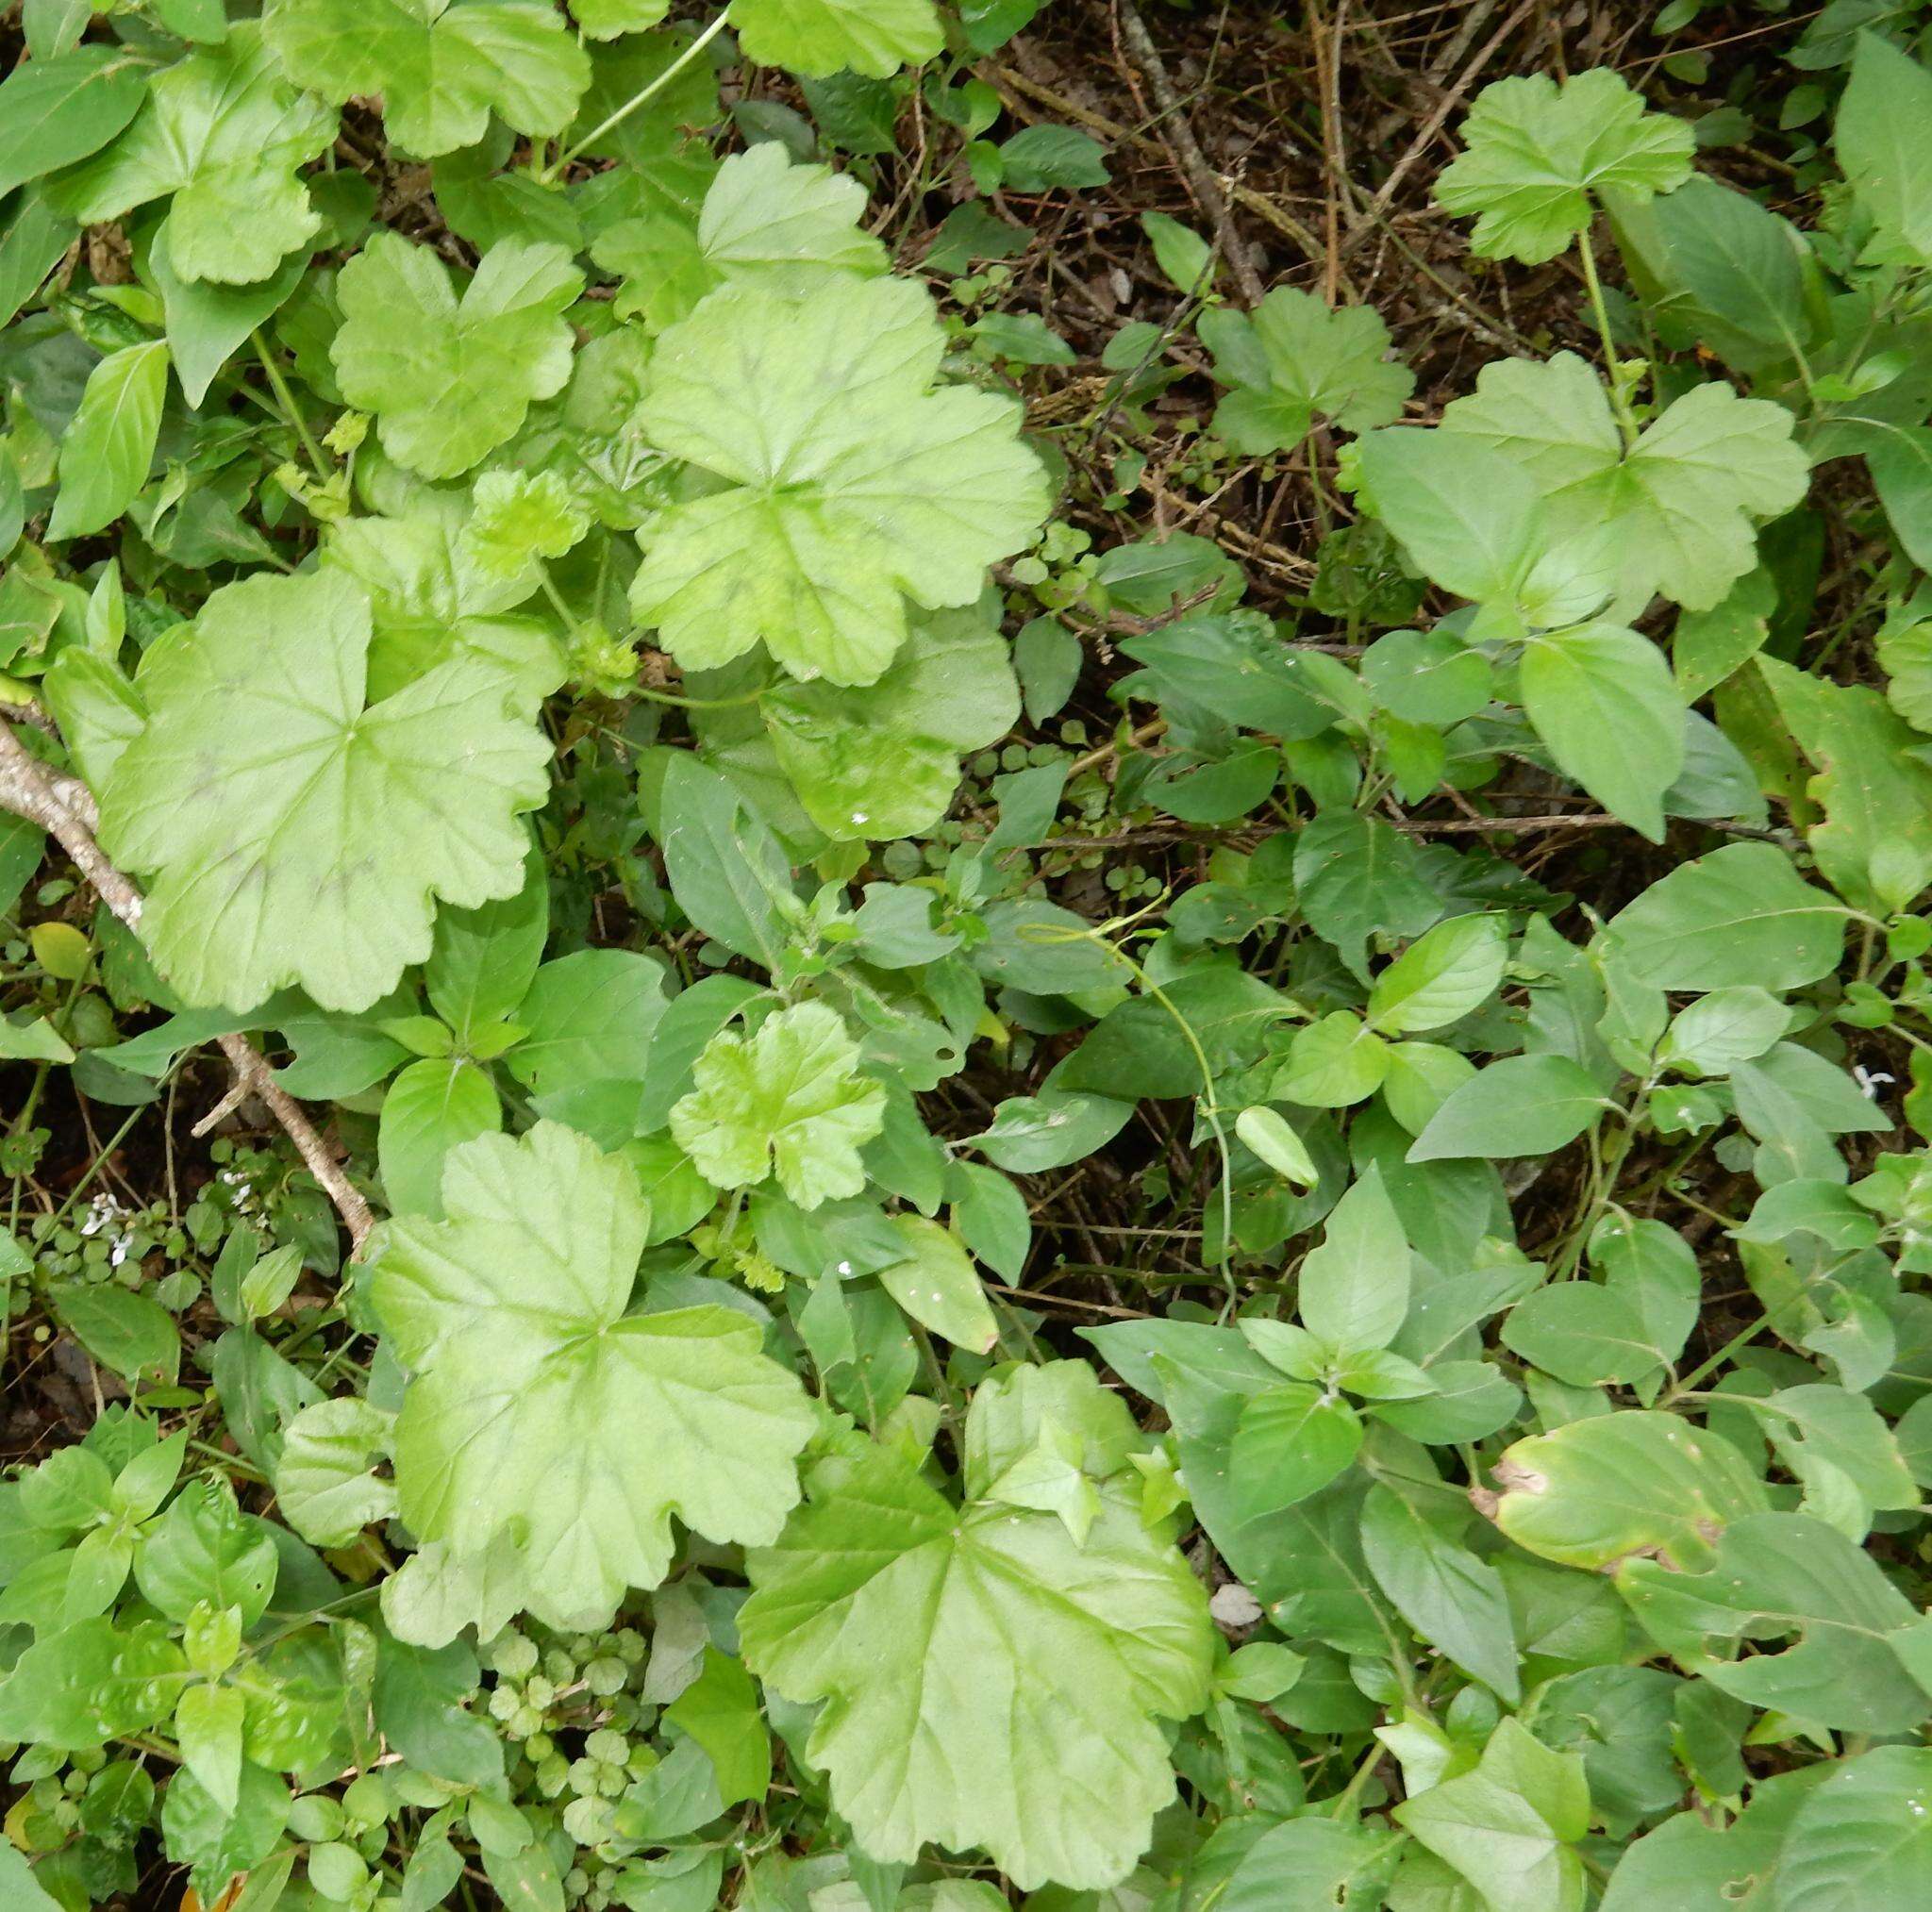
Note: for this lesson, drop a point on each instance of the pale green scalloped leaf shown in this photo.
(290, 830)
(846, 482)
(546, 1431)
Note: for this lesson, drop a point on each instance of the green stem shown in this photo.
(256, 1648)
(1704, 1370)
(569, 618)
(1603, 1172)
(320, 1319)
(572, 622)
(24, 1119)
(99, 1162)
(636, 100)
(1344, 1803)
(1627, 422)
(229, 1461)
(1149, 986)
(654, 696)
(291, 410)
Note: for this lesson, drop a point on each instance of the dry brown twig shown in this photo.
(1366, 218)
(1202, 181)
(1008, 81)
(1327, 47)
(64, 807)
(1203, 184)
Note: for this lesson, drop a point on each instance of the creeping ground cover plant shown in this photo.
(965, 956)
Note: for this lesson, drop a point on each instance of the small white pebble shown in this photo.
(1233, 1605)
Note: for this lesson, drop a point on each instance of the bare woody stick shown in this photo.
(1201, 183)
(64, 807)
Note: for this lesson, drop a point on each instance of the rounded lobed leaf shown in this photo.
(986, 1680)
(849, 483)
(292, 833)
(548, 1437)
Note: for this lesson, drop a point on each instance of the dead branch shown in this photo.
(65, 808)
(1202, 182)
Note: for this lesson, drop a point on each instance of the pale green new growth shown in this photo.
(791, 1101)
(548, 1431)
(450, 379)
(847, 483)
(295, 832)
(1536, 150)
(518, 520)
(442, 66)
(223, 133)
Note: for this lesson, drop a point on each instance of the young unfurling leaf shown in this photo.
(789, 1101)
(520, 520)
